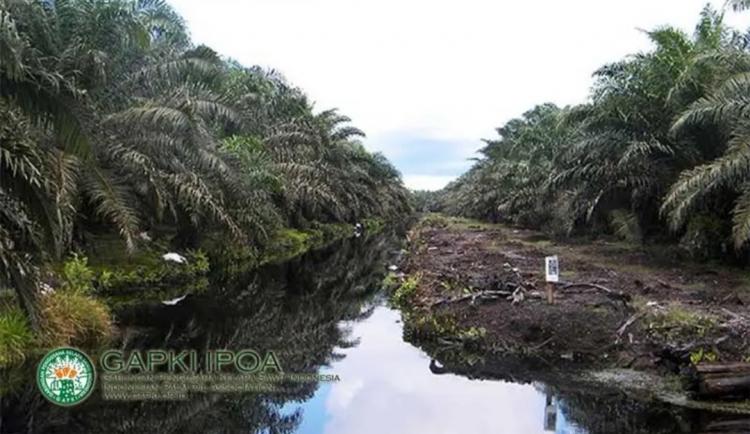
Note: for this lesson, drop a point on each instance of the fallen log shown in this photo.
(485, 295)
(720, 368)
(725, 387)
(728, 424)
(625, 298)
(721, 380)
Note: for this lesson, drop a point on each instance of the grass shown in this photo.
(16, 338)
(72, 318)
(442, 221)
(70, 315)
(390, 281)
(676, 322)
(403, 296)
(431, 326)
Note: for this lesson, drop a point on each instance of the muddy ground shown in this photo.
(617, 306)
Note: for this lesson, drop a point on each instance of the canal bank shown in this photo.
(622, 316)
(325, 312)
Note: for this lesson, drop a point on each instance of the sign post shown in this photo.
(552, 276)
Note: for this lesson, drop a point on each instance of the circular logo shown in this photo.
(66, 376)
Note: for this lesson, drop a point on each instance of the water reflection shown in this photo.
(323, 312)
(293, 308)
(387, 387)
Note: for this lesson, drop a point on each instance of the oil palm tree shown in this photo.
(727, 107)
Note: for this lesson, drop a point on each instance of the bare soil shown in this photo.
(676, 312)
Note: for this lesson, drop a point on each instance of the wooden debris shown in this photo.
(483, 295)
(633, 318)
(614, 294)
(721, 380)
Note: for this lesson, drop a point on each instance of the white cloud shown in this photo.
(427, 182)
(454, 69)
(387, 387)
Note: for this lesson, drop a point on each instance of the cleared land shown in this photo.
(619, 305)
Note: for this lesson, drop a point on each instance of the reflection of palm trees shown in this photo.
(593, 408)
(550, 413)
(295, 309)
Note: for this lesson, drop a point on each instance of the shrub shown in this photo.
(706, 236)
(625, 225)
(404, 294)
(73, 318)
(77, 275)
(15, 337)
(677, 323)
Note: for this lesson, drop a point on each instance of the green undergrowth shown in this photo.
(157, 281)
(390, 281)
(145, 276)
(70, 314)
(373, 225)
(82, 290)
(676, 322)
(123, 278)
(451, 222)
(283, 245)
(426, 326)
(16, 338)
(403, 296)
(290, 243)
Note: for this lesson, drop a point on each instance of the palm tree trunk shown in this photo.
(27, 299)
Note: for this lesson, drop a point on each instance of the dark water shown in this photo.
(324, 313)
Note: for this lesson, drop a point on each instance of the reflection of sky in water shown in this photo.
(387, 387)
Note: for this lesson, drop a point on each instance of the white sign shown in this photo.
(552, 269)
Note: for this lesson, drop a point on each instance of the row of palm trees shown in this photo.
(663, 143)
(111, 119)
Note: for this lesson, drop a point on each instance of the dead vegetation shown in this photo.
(615, 308)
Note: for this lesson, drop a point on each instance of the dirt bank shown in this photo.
(619, 306)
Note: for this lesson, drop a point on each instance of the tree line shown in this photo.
(112, 119)
(660, 151)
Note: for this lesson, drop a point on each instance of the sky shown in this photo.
(428, 79)
(387, 387)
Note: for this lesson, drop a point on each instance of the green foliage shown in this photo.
(435, 221)
(77, 275)
(72, 318)
(282, 245)
(432, 326)
(390, 281)
(404, 295)
(676, 323)
(154, 279)
(373, 225)
(441, 327)
(662, 139)
(287, 243)
(473, 334)
(706, 236)
(112, 119)
(701, 355)
(426, 201)
(625, 225)
(16, 337)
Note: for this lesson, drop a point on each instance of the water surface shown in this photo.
(324, 312)
(387, 387)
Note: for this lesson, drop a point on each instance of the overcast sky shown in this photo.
(427, 79)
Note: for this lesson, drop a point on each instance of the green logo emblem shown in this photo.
(66, 376)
